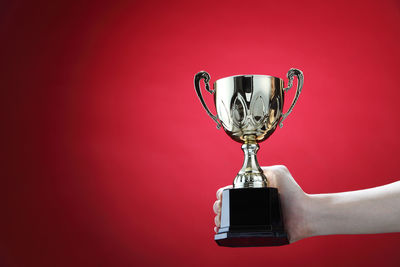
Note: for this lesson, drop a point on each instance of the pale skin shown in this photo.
(369, 211)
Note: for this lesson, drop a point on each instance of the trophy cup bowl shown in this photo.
(249, 109)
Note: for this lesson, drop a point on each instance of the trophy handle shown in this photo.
(300, 80)
(197, 78)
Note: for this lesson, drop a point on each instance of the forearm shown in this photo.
(374, 210)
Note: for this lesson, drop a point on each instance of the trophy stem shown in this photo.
(250, 175)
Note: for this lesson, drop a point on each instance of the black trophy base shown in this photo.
(251, 217)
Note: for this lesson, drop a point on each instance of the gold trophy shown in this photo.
(249, 108)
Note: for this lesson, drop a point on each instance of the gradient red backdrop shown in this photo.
(108, 158)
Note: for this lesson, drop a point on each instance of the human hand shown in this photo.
(368, 211)
(293, 201)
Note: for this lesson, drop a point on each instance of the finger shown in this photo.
(216, 229)
(217, 206)
(219, 191)
(217, 221)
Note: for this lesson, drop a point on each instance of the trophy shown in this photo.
(249, 108)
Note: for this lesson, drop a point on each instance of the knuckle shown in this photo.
(283, 168)
(216, 220)
(216, 206)
(219, 191)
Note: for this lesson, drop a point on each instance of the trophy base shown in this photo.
(251, 217)
(261, 239)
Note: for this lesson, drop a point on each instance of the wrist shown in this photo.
(321, 215)
(314, 207)
(305, 224)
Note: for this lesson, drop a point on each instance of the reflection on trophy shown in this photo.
(249, 108)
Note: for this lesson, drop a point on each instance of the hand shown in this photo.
(368, 211)
(293, 201)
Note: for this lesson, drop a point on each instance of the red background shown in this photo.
(110, 160)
